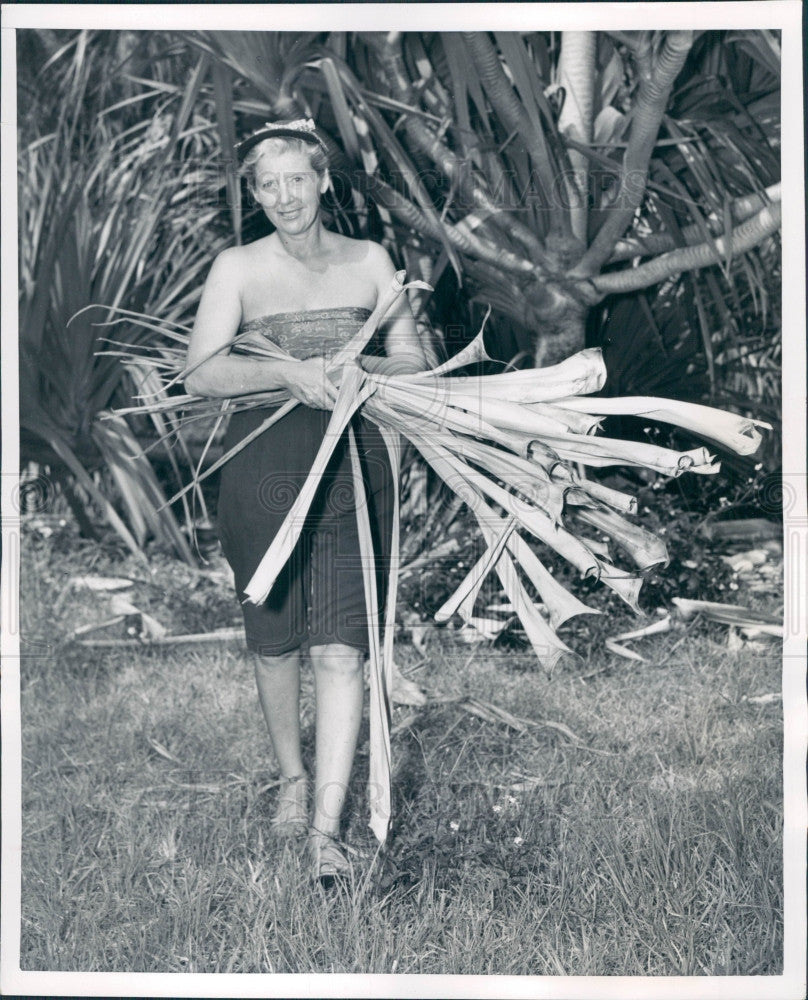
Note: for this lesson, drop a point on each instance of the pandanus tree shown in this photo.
(549, 171)
(542, 174)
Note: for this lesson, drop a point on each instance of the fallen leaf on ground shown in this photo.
(417, 630)
(404, 691)
(613, 644)
(100, 583)
(747, 528)
(404, 723)
(663, 625)
(743, 562)
(220, 635)
(624, 651)
(756, 631)
(152, 629)
(763, 699)
(159, 748)
(94, 627)
(727, 614)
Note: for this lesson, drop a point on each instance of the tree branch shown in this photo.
(576, 70)
(744, 237)
(456, 169)
(652, 99)
(514, 116)
(460, 235)
(644, 246)
(631, 39)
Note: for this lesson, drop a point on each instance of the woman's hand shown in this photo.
(398, 364)
(308, 381)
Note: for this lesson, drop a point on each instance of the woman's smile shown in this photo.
(288, 189)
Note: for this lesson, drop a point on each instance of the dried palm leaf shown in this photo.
(507, 446)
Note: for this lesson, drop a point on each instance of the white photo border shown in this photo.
(785, 15)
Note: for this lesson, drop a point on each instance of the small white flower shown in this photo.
(497, 809)
(518, 841)
(512, 800)
(454, 826)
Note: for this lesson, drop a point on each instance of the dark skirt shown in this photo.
(319, 597)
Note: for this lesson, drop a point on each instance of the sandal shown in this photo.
(329, 862)
(291, 809)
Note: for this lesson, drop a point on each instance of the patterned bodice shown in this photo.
(313, 332)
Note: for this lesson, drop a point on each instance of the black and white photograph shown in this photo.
(404, 500)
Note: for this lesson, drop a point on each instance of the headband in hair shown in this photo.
(300, 128)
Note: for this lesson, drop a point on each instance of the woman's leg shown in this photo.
(278, 680)
(339, 687)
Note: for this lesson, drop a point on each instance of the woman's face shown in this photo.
(288, 189)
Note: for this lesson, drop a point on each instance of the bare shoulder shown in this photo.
(362, 252)
(236, 258)
(378, 263)
(228, 262)
(232, 268)
(380, 267)
(379, 257)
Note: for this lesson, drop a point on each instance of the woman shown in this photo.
(308, 289)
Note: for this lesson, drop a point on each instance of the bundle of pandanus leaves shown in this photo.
(513, 446)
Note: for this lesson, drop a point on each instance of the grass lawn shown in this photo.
(633, 827)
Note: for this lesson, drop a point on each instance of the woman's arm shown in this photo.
(402, 344)
(224, 375)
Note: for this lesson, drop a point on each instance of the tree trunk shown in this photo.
(558, 323)
(560, 337)
(576, 72)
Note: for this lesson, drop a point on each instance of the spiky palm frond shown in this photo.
(477, 148)
(109, 216)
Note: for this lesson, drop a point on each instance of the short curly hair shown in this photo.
(318, 158)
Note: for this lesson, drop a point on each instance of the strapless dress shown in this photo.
(319, 596)
(313, 332)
